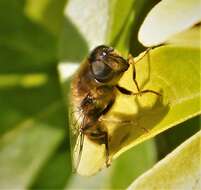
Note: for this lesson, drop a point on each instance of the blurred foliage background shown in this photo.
(35, 36)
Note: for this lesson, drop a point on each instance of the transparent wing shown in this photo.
(76, 137)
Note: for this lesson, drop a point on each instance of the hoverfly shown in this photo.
(93, 93)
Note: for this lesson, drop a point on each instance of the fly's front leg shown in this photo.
(141, 56)
(132, 62)
(128, 92)
(139, 92)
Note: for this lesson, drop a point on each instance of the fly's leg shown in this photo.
(132, 62)
(105, 141)
(139, 92)
(102, 138)
(141, 56)
(128, 92)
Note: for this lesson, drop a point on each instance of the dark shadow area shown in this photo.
(170, 139)
(135, 46)
(140, 123)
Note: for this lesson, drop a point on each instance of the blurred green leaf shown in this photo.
(24, 45)
(118, 19)
(47, 12)
(42, 117)
(167, 18)
(24, 150)
(37, 118)
(56, 171)
(32, 112)
(179, 170)
(72, 45)
(119, 24)
(20, 100)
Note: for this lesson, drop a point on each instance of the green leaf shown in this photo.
(32, 113)
(72, 45)
(31, 127)
(179, 170)
(132, 164)
(56, 168)
(189, 37)
(23, 151)
(25, 95)
(49, 13)
(24, 44)
(167, 18)
(118, 19)
(119, 24)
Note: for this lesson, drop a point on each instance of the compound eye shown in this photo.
(101, 71)
(102, 55)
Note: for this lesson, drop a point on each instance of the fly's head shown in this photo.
(106, 65)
